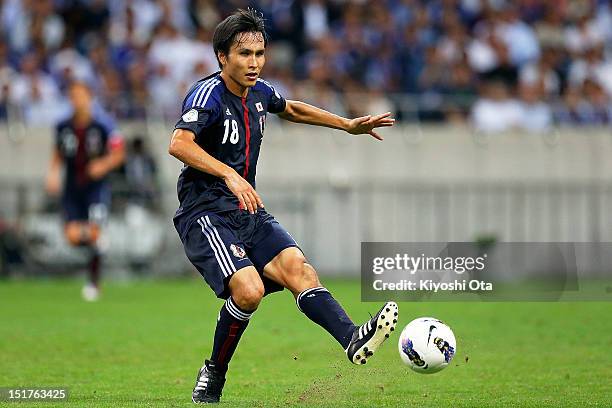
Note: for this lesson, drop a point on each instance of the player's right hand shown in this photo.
(53, 184)
(246, 194)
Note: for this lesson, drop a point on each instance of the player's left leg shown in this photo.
(86, 234)
(276, 253)
(97, 217)
(290, 269)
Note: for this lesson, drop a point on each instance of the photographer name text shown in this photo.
(430, 285)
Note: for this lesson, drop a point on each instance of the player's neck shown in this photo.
(234, 87)
(81, 119)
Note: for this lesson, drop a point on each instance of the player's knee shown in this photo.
(81, 233)
(249, 296)
(310, 279)
(73, 234)
(299, 272)
(94, 233)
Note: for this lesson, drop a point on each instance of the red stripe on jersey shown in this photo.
(248, 136)
(81, 160)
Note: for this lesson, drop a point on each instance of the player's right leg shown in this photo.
(85, 234)
(80, 230)
(212, 247)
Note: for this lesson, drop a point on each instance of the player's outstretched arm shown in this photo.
(184, 148)
(301, 112)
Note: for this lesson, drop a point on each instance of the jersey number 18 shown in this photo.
(234, 136)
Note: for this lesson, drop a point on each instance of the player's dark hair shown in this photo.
(242, 21)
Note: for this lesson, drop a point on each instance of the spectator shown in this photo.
(599, 101)
(437, 52)
(543, 73)
(204, 14)
(35, 92)
(593, 66)
(140, 173)
(316, 20)
(7, 75)
(68, 65)
(574, 110)
(519, 37)
(536, 115)
(34, 22)
(460, 92)
(496, 111)
(583, 34)
(550, 30)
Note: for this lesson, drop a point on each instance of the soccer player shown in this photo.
(241, 251)
(86, 149)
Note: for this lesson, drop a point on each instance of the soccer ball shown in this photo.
(427, 345)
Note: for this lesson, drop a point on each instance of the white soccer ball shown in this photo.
(427, 345)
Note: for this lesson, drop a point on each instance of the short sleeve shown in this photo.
(276, 103)
(114, 138)
(196, 119)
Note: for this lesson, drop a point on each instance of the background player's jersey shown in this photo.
(230, 129)
(78, 146)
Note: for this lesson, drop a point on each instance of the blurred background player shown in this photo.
(86, 149)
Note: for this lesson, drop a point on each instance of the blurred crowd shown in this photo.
(500, 64)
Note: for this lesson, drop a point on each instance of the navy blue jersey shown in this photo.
(230, 129)
(78, 146)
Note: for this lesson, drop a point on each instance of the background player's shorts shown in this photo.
(219, 244)
(90, 204)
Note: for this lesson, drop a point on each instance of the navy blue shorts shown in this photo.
(86, 205)
(219, 244)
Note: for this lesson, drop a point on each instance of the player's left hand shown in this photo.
(367, 124)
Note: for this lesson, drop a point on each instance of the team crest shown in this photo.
(227, 112)
(237, 251)
(259, 107)
(191, 116)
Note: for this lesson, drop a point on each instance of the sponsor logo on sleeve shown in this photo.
(190, 116)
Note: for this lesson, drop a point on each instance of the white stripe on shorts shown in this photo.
(213, 244)
(220, 241)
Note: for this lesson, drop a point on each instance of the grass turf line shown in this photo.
(142, 344)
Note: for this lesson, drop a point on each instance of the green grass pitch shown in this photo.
(142, 344)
